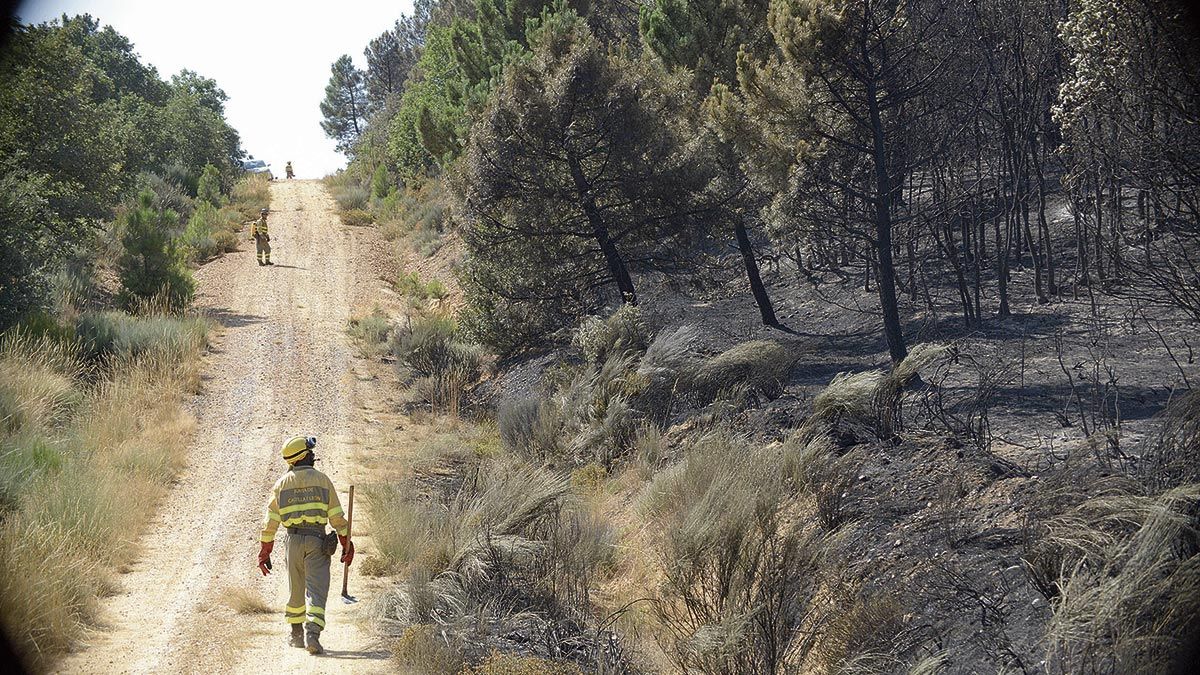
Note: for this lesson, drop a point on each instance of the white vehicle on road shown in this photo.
(257, 166)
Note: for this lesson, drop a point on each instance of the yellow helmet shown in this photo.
(297, 448)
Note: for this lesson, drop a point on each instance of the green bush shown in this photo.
(410, 285)
(151, 267)
(109, 334)
(42, 325)
(200, 238)
(168, 195)
(381, 183)
(209, 188)
(250, 194)
(351, 198)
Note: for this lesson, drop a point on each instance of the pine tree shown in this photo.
(705, 37)
(209, 189)
(151, 265)
(576, 177)
(344, 107)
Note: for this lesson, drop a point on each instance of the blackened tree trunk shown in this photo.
(752, 274)
(888, 304)
(612, 257)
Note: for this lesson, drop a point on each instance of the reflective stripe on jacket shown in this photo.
(260, 227)
(303, 497)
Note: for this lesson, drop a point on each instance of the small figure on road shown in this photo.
(304, 501)
(262, 240)
(288, 169)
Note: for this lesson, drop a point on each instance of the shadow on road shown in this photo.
(230, 319)
(350, 655)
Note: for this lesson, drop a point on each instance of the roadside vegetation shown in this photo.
(752, 360)
(116, 184)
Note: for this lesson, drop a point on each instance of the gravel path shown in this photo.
(282, 365)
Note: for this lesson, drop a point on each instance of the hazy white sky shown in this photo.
(271, 57)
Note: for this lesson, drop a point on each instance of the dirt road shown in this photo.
(280, 366)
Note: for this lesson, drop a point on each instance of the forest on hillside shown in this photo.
(925, 146)
(115, 183)
(86, 129)
(769, 336)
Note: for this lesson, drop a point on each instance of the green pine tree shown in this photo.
(151, 266)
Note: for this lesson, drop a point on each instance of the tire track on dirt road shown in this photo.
(280, 366)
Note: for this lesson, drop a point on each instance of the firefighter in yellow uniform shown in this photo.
(262, 240)
(303, 501)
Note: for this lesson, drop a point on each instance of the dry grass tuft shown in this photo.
(427, 650)
(511, 664)
(1130, 582)
(251, 193)
(759, 365)
(246, 601)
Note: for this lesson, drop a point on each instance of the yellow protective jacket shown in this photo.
(303, 497)
(260, 227)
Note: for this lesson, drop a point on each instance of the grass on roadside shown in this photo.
(86, 452)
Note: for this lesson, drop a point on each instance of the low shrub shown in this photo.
(381, 183)
(202, 238)
(246, 601)
(623, 331)
(741, 578)
(873, 397)
(1169, 456)
(759, 365)
(589, 478)
(411, 285)
(427, 650)
(38, 382)
(351, 197)
(426, 242)
(371, 332)
(357, 217)
(443, 364)
(512, 664)
(250, 194)
(816, 469)
(78, 483)
(1128, 599)
(208, 188)
(167, 195)
(107, 335)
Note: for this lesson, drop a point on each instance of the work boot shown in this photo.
(270, 263)
(297, 636)
(314, 644)
(261, 263)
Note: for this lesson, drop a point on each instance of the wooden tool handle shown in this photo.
(349, 525)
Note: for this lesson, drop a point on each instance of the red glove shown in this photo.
(264, 557)
(347, 549)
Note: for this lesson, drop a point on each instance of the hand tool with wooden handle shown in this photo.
(346, 597)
